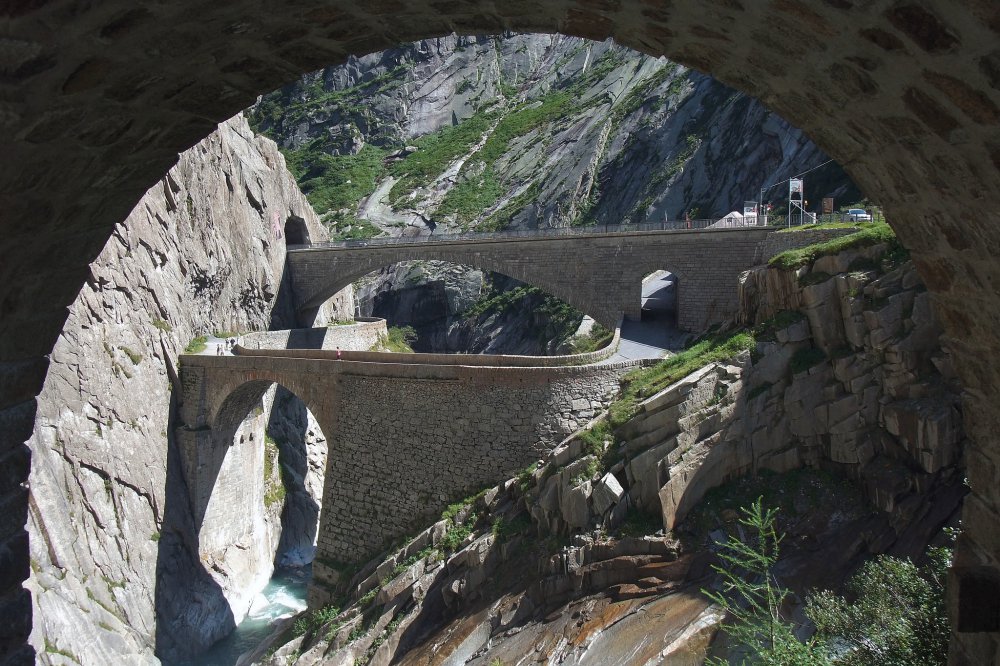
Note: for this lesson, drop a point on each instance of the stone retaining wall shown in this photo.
(361, 335)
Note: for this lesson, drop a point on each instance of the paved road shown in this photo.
(654, 337)
(648, 339)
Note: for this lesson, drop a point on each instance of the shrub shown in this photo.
(398, 340)
(869, 235)
(197, 345)
(314, 620)
(162, 325)
(598, 338)
(133, 356)
(896, 614)
(752, 597)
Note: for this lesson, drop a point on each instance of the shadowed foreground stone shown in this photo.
(97, 100)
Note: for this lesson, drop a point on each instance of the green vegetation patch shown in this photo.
(640, 384)
(335, 182)
(522, 121)
(819, 227)
(274, 489)
(197, 345)
(870, 234)
(505, 529)
(345, 226)
(598, 338)
(435, 152)
(133, 356)
(469, 198)
(895, 612)
(398, 340)
(503, 218)
(162, 325)
(313, 620)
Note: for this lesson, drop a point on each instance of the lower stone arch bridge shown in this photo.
(599, 272)
(405, 436)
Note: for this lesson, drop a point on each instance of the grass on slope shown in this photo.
(522, 121)
(398, 340)
(335, 182)
(435, 152)
(472, 196)
(641, 384)
(869, 235)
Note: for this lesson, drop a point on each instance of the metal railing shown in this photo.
(599, 229)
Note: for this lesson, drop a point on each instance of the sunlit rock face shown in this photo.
(110, 537)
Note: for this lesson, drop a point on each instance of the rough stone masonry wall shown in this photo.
(361, 336)
(404, 449)
(87, 129)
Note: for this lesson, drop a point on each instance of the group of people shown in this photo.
(227, 346)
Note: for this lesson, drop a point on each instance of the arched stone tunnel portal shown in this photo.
(99, 100)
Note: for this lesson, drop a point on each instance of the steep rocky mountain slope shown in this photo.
(529, 131)
(115, 570)
(516, 132)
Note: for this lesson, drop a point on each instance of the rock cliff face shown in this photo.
(528, 131)
(114, 576)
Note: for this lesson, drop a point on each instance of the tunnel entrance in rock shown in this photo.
(296, 231)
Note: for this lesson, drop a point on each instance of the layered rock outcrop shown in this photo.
(114, 577)
(848, 373)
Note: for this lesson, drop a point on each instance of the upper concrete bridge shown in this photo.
(599, 271)
(406, 433)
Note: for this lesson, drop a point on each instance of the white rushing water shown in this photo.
(284, 596)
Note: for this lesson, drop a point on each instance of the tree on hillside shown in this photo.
(894, 614)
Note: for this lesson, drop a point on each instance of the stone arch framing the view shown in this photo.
(99, 99)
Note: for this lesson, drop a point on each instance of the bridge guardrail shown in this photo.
(672, 225)
(416, 358)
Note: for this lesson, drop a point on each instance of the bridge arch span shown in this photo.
(599, 273)
(521, 271)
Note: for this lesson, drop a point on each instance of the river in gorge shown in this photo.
(283, 596)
